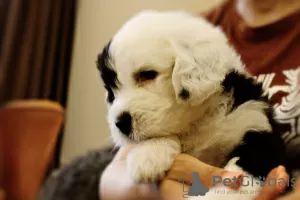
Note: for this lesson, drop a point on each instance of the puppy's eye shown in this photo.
(143, 76)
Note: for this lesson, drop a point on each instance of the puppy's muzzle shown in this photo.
(124, 123)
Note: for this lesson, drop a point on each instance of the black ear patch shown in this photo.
(108, 75)
(243, 88)
(184, 94)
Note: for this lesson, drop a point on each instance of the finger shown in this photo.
(283, 175)
(173, 190)
(270, 192)
(184, 166)
(123, 152)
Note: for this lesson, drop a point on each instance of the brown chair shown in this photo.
(28, 133)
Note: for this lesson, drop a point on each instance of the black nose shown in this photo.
(124, 123)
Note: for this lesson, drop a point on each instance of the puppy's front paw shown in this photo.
(148, 164)
(145, 168)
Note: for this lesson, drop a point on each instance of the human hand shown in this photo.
(183, 168)
(185, 165)
(116, 184)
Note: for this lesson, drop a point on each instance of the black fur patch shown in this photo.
(184, 94)
(243, 88)
(108, 75)
(260, 152)
(246, 89)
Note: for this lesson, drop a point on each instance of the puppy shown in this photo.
(175, 85)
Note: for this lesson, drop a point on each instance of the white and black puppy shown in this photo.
(174, 85)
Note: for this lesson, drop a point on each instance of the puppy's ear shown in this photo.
(198, 71)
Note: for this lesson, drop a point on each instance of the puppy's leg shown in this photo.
(149, 160)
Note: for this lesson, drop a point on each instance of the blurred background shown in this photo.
(53, 107)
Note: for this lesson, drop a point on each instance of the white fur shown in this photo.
(189, 53)
(147, 167)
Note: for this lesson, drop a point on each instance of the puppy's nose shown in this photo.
(124, 123)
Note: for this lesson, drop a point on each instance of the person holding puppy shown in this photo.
(266, 33)
(115, 184)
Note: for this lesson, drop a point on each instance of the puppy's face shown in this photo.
(157, 69)
(140, 95)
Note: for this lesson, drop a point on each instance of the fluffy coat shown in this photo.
(175, 85)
